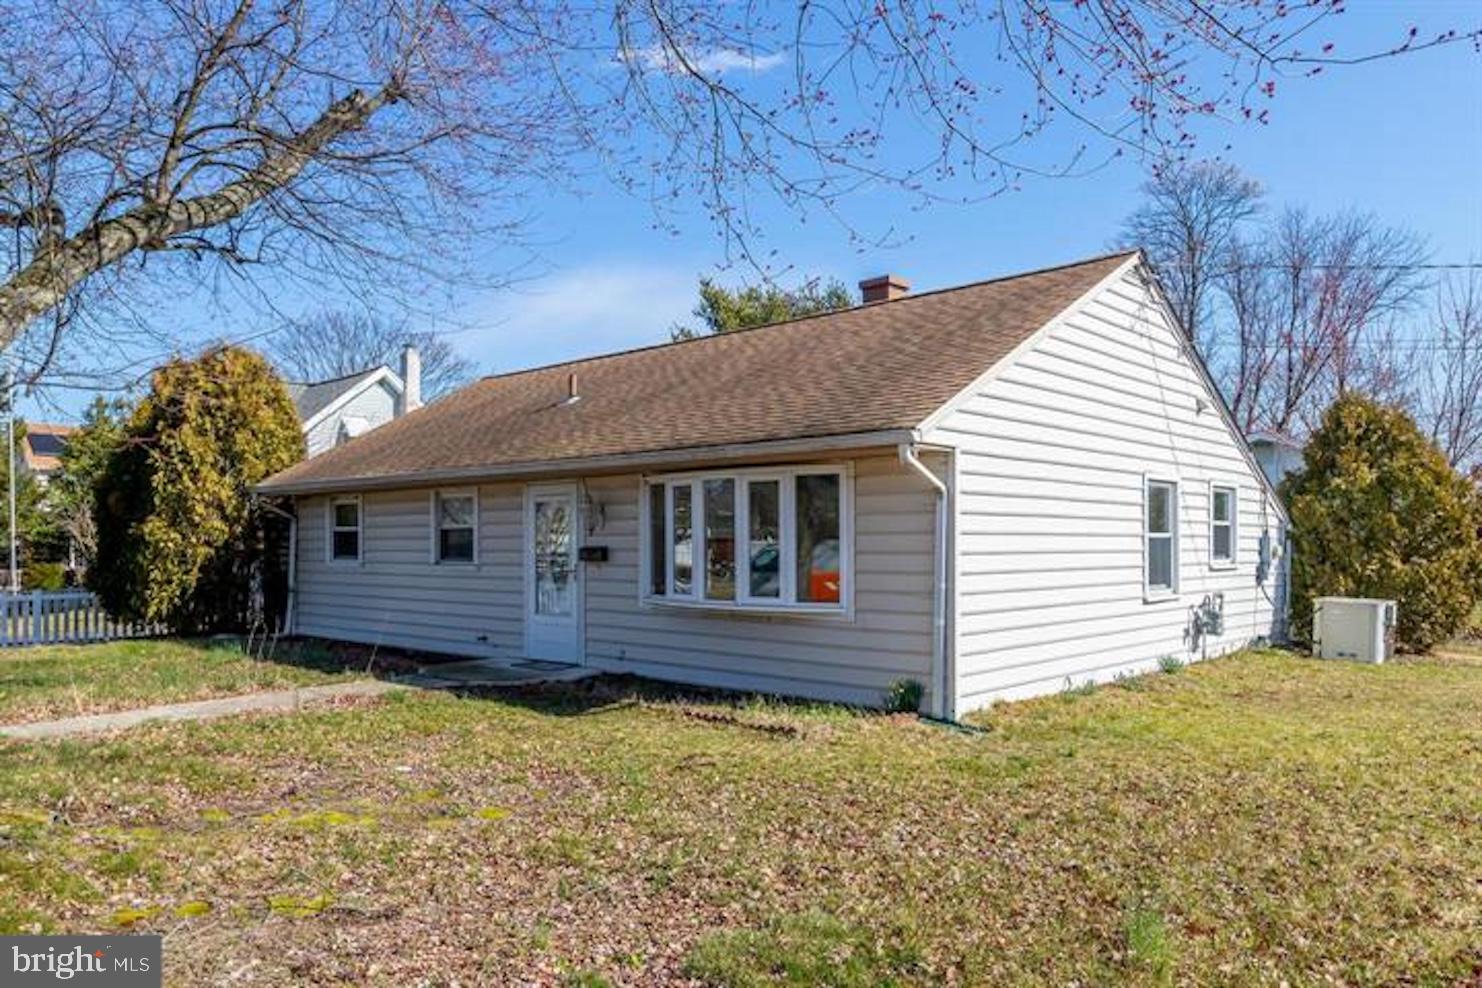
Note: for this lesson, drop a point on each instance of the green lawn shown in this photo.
(1261, 819)
(68, 680)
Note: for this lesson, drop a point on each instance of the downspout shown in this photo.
(943, 688)
(292, 605)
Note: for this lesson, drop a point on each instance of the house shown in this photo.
(998, 490)
(335, 411)
(1279, 454)
(41, 450)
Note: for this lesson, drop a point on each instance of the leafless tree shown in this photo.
(180, 142)
(1453, 399)
(1187, 222)
(1312, 307)
(335, 343)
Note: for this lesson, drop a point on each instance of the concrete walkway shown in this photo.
(274, 702)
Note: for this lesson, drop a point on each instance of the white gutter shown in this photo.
(292, 604)
(616, 463)
(943, 706)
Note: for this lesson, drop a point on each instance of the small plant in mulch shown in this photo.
(904, 696)
(1171, 664)
(1072, 690)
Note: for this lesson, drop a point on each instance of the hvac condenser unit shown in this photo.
(1356, 628)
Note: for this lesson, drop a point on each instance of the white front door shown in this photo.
(552, 576)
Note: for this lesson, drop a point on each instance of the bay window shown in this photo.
(763, 539)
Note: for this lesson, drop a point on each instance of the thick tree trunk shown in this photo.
(55, 270)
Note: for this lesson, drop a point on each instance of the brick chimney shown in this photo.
(884, 288)
(411, 379)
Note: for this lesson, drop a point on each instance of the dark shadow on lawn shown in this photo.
(611, 691)
(322, 655)
(554, 698)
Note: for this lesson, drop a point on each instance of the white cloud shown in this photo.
(715, 61)
(726, 59)
(580, 312)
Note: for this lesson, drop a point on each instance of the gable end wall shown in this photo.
(1052, 455)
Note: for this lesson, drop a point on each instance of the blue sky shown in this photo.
(1401, 138)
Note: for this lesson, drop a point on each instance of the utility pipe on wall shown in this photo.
(942, 689)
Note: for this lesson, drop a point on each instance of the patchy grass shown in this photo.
(44, 683)
(1250, 820)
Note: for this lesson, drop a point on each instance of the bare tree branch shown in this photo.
(335, 343)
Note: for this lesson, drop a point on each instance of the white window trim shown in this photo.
(330, 528)
(1151, 594)
(1234, 523)
(435, 541)
(743, 602)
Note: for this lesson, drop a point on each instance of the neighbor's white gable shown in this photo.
(371, 403)
(1054, 446)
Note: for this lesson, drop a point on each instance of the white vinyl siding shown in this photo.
(852, 657)
(376, 405)
(1053, 453)
(395, 598)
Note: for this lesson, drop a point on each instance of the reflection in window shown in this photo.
(764, 539)
(818, 538)
(455, 528)
(344, 536)
(658, 540)
(720, 538)
(684, 545)
(554, 573)
(1222, 525)
(1159, 536)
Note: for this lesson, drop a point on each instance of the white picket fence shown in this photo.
(56, 617)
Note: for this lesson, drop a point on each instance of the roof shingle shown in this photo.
(867, 369)
(313, 397)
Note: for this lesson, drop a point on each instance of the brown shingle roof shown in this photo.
(868, 369)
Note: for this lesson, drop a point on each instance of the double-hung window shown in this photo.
(455, 522)
(1160, 534)
(1223, 504)
(761, 539)
(344, 529)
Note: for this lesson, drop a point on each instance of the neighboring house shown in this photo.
(338, 410)
(998, 490)
(1279, 454)
(41, 449)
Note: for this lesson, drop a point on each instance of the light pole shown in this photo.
(15, 583)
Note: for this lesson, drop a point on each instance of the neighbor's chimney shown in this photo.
(884, 288)
(411, 379)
